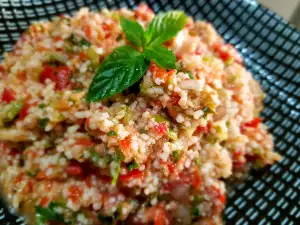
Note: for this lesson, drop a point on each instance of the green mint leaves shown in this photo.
(165, 26)
(133, 31)
(121, 69)
(161, 56)
(126, 65)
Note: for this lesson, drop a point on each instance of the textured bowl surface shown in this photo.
(271, 50)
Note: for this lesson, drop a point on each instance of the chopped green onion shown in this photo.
(132, 165)
(95, 157)
(159, 119)
(43, 122)
(172, 135)
(111, 133)
(198, 162)
(32, 173)
(42, 105)
(191, 76)
(177, 155)
(84, 42)
(11, 111)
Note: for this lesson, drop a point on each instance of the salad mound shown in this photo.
(126, 117)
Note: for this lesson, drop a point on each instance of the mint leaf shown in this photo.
(133, 31)
(121, 69)
(165, 26)
(161, 56)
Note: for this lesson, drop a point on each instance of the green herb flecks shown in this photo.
(42, 123)
(126, 65)
(177, 154)
(11, 111)
(115, 167)
(41, 106)
(132, 165)
(43, 215)
(111, 133)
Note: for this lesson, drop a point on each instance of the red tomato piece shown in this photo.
(75, 193)
(196, 179)
(2, 69)
(88, 32)
(253, 123)
(63, 77)
(134, 174)
(74, 169)
(24, 111)
(47, 73)
(125, 144)
(60, 75)
(44, 201)
(160, 217)
(88, 181)
(175, 99)
(8, 95)
(84, 141)
(161, 128)
(222, 50)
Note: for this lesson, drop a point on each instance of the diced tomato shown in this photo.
(41, 175)
(226, 52)
(160, 217)
(158, 71)
(88, 32)
(106, 28)
(8, 95)
(238, 159)
(170, 165)
(143, 12)
(88, 181)
(74, 169)
(82, 56)
(44, 201)
(22, 75)
(14, 151)
(106, 179)
(175, 98)
(196, 179)
(204, 129)
(24, 111)
(47, 73)
(2, 69)
(134, 174)
(63, 77)
(253, 123)
(161, 128)
(125, 144)
(216, 193)
(30, 185)
(84, 141)
(19, 178)
(75, 193)
(60, 75)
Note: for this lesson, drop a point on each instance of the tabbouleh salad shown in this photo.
(126, 117)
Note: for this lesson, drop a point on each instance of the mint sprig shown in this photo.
(126, 65)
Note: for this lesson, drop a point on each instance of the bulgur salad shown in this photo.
(126, 117)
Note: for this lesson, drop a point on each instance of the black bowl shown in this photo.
(271, 51)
